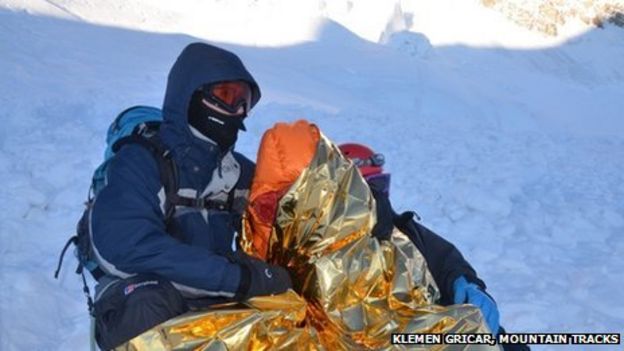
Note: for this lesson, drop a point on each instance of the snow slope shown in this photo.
(506, 142)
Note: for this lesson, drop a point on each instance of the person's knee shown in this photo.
(134, 305)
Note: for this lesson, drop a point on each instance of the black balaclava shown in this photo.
(217, 127)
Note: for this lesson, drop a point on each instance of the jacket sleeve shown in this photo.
(445, 261)
(129, 237)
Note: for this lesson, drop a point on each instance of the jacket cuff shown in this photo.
(475, 280)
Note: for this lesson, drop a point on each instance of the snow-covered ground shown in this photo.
(508, 143)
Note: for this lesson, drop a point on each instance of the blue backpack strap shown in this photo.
(79, 270)
(167, 168)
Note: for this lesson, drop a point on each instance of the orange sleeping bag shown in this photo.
(277, 169)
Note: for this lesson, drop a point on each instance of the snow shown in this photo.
(507, 142)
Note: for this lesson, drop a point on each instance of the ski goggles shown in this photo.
(230, 98)
(376, 160)
(379, 182)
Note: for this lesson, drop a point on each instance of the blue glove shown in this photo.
(471, 293)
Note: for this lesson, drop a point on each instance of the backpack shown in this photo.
(142, 121)
(135, 125)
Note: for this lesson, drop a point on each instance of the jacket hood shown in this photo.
(198, 64)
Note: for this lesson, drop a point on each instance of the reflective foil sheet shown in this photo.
(262, 323)
(350, 290)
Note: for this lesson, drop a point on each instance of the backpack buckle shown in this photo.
(201, 203)
(220, 205)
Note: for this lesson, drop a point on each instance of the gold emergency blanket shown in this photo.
(351, 291)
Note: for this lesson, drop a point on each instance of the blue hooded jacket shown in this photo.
(128, 231)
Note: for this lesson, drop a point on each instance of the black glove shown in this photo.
(384, 226)
(259, 278)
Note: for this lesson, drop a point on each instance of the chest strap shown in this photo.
(201, 203)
